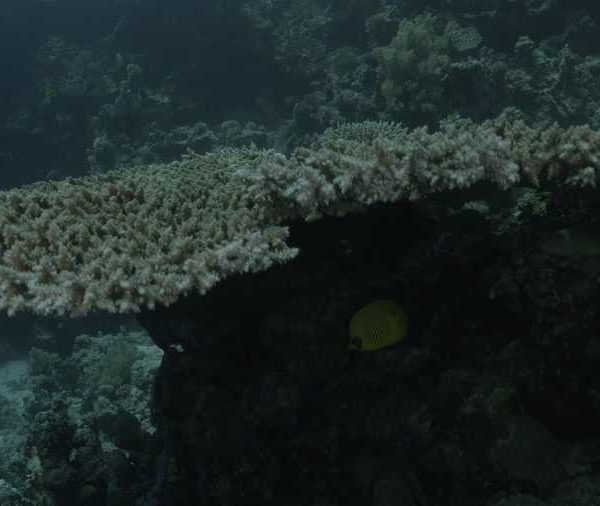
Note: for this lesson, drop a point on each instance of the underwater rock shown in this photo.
(530, 453)
(309, 336)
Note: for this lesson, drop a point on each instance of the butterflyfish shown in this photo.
(377, 325)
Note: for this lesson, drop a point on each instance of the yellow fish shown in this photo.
(377, 325)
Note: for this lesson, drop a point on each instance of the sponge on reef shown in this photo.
(147, 235)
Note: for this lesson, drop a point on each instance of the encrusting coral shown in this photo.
(145, 236)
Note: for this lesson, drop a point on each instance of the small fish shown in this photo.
(571, 242)
(377, 325)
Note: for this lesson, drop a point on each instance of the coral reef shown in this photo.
(155, 232)
(259, 170)
(142, 237)
(492, 395)
(88, 422)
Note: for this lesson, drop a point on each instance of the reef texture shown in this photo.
(492, 394)
(136, 238)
